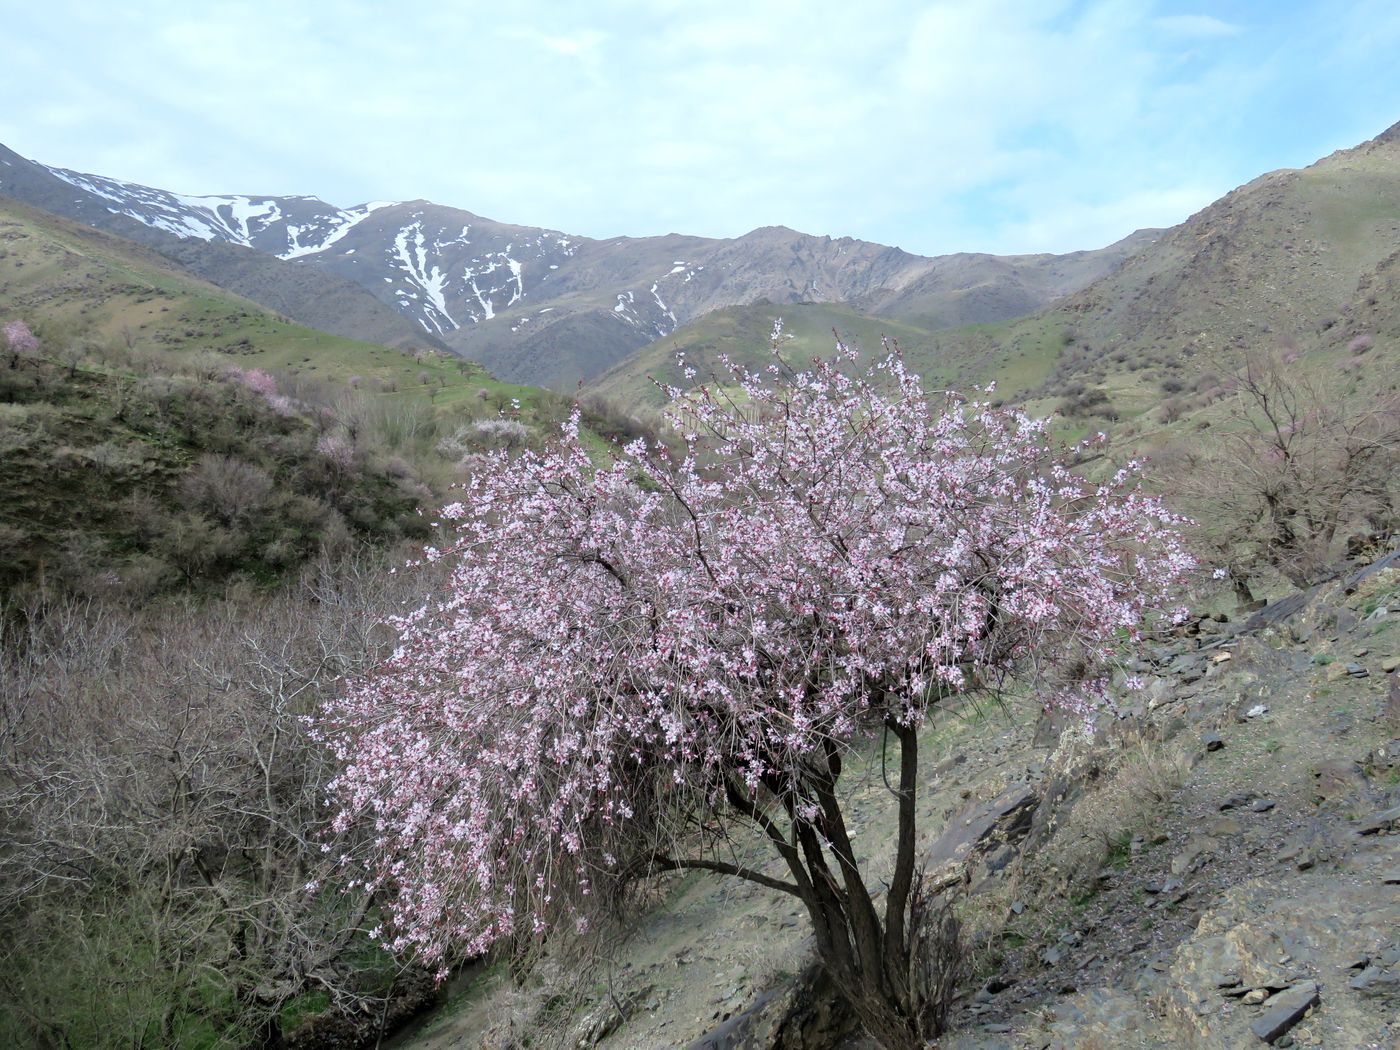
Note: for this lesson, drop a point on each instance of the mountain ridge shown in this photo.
(302, 294)
(534, 304)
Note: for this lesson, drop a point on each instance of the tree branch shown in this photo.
(900, 882)
(659, 863)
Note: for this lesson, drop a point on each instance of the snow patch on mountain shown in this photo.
(243, 212)
(232, 218)
(164, 210)
(338, 224)
(485, 266)
(661, 329)
(410, 248)
(516, 269)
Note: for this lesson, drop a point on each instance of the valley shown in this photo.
(236, 423)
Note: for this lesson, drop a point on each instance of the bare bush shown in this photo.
(1087, 404)
(1296, 467)
(229, 489)
(622, 423)
(161, 797)
(1126, 777)
(1171, 410)
(482, 435)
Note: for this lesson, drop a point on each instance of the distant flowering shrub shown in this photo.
(282, 405)
(19, 341)
(338, 449)
(501, 433)
(254, 379)
(628, 658)
(1361, 344)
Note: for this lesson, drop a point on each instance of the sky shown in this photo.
(980, 125)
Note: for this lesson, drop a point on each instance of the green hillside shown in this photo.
(75, 282)
(744, 334)
(166, 433)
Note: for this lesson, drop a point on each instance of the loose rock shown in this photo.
(1378, 822)
(1376, 983)
(1284, 1010)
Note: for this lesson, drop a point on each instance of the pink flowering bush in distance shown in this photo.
(631, 660)
(255, 379)
(20, 341)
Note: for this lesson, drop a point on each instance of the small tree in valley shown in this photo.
(632, 659)
(19, 341)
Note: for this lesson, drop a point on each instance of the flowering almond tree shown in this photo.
(19, 340)
(630, 660)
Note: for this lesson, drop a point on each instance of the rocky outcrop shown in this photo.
(801, 1013)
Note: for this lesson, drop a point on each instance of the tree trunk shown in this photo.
(897, 973)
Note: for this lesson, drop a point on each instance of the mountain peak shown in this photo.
(536, 304)
(1390, 134)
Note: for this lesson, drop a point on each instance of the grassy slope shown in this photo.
(743, 333)
(79, 442)
(69, 281)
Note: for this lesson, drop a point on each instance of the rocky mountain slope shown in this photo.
(303, 294)
(1218, 869)
(1281, 257)
(1295, 260)
(538, 305)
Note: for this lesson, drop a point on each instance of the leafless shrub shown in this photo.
(1296, 466)
(1170, 410)
(482, 435)
(1125, 786)
(229, 489)
(162, 804)
(620, 422)
(1090, 403)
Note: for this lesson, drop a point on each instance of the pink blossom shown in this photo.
(19, 339)
(254, 379)
(625, 656)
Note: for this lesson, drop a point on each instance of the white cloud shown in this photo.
(1205, 26)
(937, 126)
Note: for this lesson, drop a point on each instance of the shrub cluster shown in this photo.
(1087, 403)
(152, 471)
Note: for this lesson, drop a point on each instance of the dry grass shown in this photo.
(1127, 785)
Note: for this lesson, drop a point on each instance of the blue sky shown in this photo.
(1040, 125)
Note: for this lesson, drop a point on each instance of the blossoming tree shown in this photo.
(19, 341)
(631, 659)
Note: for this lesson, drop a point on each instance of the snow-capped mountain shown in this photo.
(543, 306)
(209, 238)
(287, 227)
